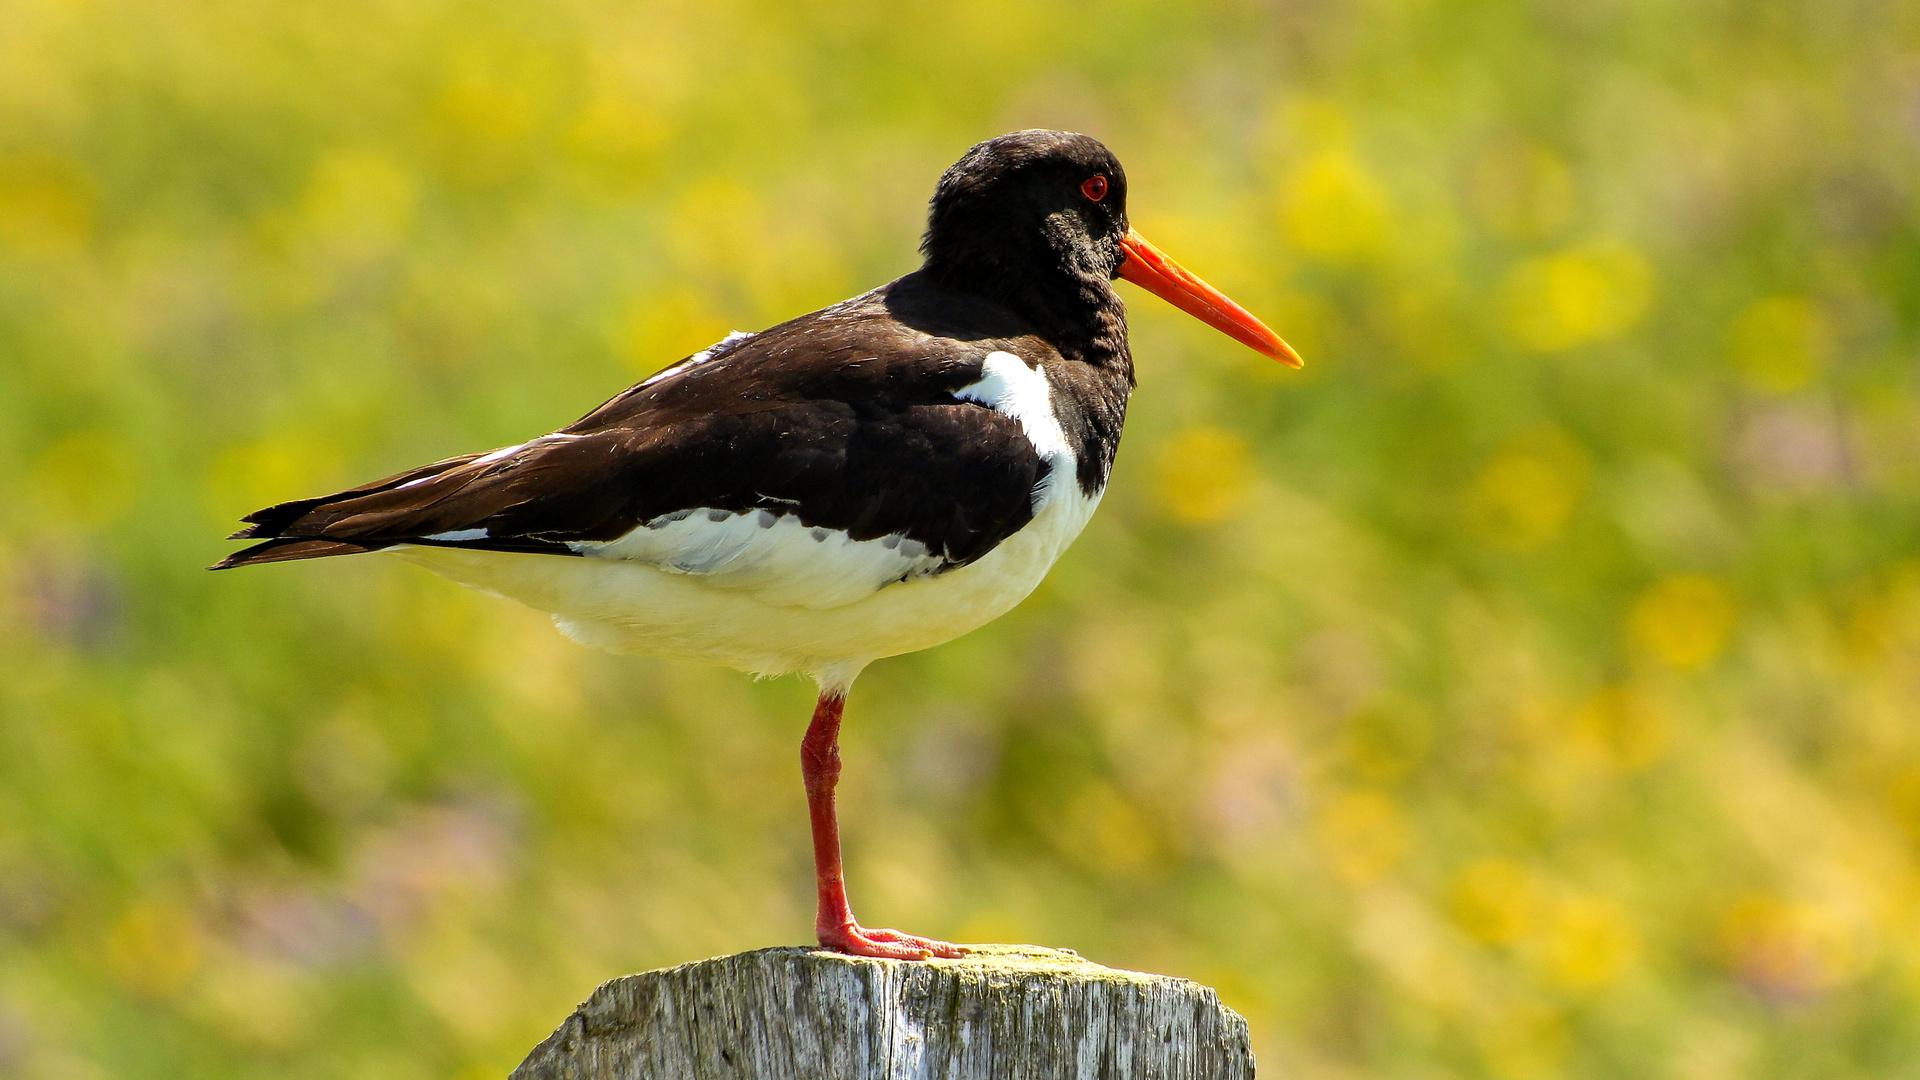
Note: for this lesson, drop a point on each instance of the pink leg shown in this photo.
(820, 764)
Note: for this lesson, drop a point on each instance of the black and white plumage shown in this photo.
(808, 467)
(888, 442)
(870, 479)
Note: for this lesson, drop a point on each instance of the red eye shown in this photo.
(1095, 188)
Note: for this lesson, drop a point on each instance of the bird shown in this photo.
(870, 479)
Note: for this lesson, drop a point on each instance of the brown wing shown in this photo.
(845, 417)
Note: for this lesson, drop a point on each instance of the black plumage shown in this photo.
(845, 417)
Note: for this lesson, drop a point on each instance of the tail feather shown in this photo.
(289, 548)
(270, 522)
(289, 533)
(500, 501)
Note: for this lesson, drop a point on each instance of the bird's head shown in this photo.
(1039, 219)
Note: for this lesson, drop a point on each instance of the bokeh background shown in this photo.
(1526, 689)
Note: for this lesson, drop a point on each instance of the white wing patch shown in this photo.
(770, 555)
(1009, 387)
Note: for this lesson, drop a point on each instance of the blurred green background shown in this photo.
(1526, 689)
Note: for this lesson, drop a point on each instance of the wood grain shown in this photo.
(1005, 1012)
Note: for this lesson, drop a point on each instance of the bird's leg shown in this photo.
(820, 764)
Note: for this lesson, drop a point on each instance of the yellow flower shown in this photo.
(1578, 297)
(1332, 207)
(1590, 942)
(1684, 620)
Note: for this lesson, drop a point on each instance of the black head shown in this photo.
(1034, 219)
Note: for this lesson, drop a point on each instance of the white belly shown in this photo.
(755, 625)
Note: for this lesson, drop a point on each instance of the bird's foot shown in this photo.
(856, 940)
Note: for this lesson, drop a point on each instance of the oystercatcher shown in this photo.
(870, 479)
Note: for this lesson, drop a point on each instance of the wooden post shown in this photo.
(1004, 1012)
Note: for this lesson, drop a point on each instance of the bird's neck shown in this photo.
(1075, 309)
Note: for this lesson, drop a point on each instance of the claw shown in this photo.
(882, 944)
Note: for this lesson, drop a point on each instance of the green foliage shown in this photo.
(1528, 688)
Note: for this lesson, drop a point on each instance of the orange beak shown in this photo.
(1151, 269)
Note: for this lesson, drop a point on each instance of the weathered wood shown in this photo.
(1005, 1012)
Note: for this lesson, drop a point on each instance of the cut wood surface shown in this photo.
(1004, 1012)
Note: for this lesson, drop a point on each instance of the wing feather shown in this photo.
(844, 420)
